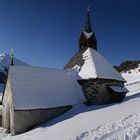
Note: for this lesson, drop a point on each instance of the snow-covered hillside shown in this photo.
(87, 123)
(133, 79)
(5, 61)
(102, 122)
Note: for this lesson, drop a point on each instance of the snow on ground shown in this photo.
(3, 133)
(127, 128)
(104, 122)
(133, 79)
(78, 123)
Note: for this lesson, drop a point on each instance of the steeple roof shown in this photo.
(96, 66)
(87, 38)
(87, 27)
(91, 65)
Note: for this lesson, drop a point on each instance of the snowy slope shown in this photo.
(80, 121)
(102, 122)
(133, 79)
(4, 63)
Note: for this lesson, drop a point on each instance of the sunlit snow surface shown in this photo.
(117, 121)
(133, 79)
(35, 87)
(96, 66)
(104, 122)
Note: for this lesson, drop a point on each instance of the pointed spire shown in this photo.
(12, 57)
(87, 38)
(87, 27)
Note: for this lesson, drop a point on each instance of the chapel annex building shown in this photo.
(30, 98)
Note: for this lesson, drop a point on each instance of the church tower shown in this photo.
(87, 38)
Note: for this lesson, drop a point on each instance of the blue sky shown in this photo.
(46, 32)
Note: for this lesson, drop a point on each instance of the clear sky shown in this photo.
(46, 32)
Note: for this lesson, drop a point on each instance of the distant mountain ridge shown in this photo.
(5, 61)
(4, 64)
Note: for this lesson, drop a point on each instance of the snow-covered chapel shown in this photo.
(100, 82)
(34, 95)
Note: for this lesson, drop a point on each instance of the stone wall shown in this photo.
(24, 120)
(96, 90)
(19, 121)
(8, 110)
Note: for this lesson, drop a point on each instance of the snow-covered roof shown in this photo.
(34, 87)
(118, 89)
(96, 66)
(88, 35)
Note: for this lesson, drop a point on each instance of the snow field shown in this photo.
(127, 128)
(106, 122)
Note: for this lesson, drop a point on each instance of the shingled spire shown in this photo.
(87, 38)
(87, 27)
